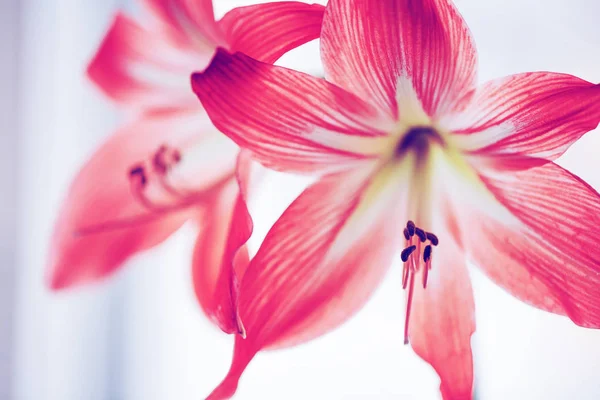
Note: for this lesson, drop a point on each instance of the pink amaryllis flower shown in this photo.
(169, 164)
(414, 158)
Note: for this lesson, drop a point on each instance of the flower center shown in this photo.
(416, 257)
(418, 139)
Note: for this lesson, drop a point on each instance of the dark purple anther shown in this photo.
(138, 170)
(411, 228)
(427, 253)
(421, 234)
(432, 238)
(407, 252)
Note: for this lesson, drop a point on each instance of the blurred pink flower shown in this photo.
(169, 164)
(403, 133)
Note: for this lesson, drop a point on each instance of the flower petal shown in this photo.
(220, 255)
(318, 265)
(529, 241)
(519, 266)
(548, 256)
(101, 222)
(191, 22)
(268, 31)
(289, 120)
(140, 68)
(370, 46)
(443, 320)
(539, 114)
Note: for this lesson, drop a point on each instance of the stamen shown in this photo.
(413, 255)
(137, 171)
(432, 238)
(427, 260)
(161, 163)
(416, 259)
(407, 252)
(138, 181)
(425, 275)
(404, 266)
(421, 234)
(158, 161)
(411, 228)
(427, 253)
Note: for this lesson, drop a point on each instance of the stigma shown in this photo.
(416, 258)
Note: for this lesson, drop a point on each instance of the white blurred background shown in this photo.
(140, 336)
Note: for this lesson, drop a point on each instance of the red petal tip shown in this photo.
(243, 353)
(56, 283)
(59, 279)
(225, 390)
(228, 386)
